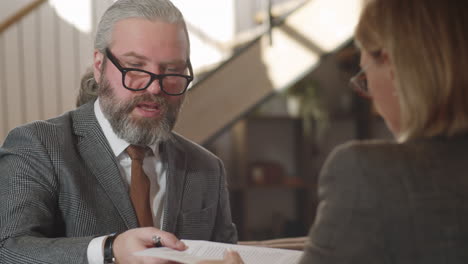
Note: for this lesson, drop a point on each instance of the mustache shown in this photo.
(148, 98)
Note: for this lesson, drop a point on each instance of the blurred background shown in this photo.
(270, 98)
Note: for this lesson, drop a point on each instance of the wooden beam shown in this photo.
(20, 14)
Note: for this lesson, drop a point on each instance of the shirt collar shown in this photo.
(117, 144)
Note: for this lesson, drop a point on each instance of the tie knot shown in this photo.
(136, 152)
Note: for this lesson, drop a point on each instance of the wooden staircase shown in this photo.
(42, 60)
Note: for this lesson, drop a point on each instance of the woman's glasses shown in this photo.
(359, 84)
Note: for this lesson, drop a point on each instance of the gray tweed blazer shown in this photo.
(382, 202)
(60, 186)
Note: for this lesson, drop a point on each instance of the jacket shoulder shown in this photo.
(367, 148)
(194, 150)
(56, 129)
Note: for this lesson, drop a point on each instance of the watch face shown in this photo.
(109, 261)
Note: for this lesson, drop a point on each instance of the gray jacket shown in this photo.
(382, 202)
(60, 187)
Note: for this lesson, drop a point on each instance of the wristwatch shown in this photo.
(108, 249)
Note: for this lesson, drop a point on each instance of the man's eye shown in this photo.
(174, 69)
(134, 65)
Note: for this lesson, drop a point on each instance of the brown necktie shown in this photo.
(140, 186)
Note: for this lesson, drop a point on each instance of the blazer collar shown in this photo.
(99, 158)
(174, 156)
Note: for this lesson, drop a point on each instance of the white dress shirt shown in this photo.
(153, 168)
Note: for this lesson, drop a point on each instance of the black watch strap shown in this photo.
(108, 249)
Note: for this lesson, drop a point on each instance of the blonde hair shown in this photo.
(426, 43)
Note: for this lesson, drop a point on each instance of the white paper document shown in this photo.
(205, 250)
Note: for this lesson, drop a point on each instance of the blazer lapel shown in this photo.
(99, 158)
(175, 159)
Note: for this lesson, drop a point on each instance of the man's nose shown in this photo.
(155, 87)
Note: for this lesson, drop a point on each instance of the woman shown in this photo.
(404, 201)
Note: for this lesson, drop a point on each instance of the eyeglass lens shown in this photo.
(137, 80)
(359, 84)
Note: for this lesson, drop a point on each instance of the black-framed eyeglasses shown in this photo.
(359, 84)
(137, 80)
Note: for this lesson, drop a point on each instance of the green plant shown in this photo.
(312, 106)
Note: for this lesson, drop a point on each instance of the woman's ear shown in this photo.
(98, 65)
(390, 71)
(385, 57)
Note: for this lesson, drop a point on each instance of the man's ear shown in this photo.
(98, 65)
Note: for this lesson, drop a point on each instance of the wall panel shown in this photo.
(42, 60)
(67, 61)
(3, 105)
(12, 89)
(49, 67)
(85, 53)
(29, 75)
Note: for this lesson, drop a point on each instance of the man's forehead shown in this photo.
(142, 57)
(142, 36)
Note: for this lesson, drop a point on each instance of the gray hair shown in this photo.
(154, 10)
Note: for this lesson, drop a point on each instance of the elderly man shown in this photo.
(111, 178)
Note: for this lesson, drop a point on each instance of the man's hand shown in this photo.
(134, 240)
